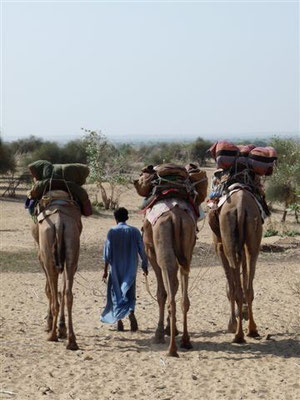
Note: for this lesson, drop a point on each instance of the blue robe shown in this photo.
(122, 246)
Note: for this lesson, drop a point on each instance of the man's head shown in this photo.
(121, 214)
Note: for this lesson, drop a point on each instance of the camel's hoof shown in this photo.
(62, 330)
(173, 353)
(62, 334)
(231, 329)
(232, 326)
(52, 338)
(239, 340)
(253, 334)
(72, 346)
(186, 345)
(168, 331)
(48, 326)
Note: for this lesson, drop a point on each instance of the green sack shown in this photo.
(41, 169)
(71, 172)
(40, 188)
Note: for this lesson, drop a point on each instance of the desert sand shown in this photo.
(126, 365)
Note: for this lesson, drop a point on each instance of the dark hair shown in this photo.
(121, 214)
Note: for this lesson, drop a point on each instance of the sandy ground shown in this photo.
(125, 365)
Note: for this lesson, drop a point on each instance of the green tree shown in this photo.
(74, 152)
(106, 165)
(199, 151)
(164, 152)
(283, 186)
(7, 160)
(49, 151)
(26, 145)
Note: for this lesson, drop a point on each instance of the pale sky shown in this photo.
(149, 70)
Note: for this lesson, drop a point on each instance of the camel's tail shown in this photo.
(236, 238)
(180, 237)
(59, 245)
(241, 236)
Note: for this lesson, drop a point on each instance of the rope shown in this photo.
(65, 182)
(93, 290)
(186, 183)
(148, 288)
(201, 180)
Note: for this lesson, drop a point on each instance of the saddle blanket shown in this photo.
(67, 209)
(232, 189)
(163, 206)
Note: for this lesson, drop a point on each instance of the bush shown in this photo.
(199, 151)
(7, 160)
(27, 145)
(74, 152)
(106, 165)
(283, 186)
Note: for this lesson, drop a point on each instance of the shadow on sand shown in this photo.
(281, 345)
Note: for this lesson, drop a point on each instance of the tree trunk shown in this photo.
(105, 199)
(284, 216)
(284, 212)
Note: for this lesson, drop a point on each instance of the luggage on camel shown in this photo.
(144, 184)
(167, 181)
(199, 181)
(261, 160)
(61, 177)
(164, 170)
(225, 153)
(163, 174)
(224, 183)
(77, 192)
(243, 157)
(43, 169)
(239, 171)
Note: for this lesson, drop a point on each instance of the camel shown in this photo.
(58, 239)
(237, 235)
(169, 246)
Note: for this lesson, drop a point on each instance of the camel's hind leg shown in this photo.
(71, 345)
(166, 259)
(252, 245)
(232, 324)
(168, 328)
(53, 279)
(62, 329)
(161, 294)
(161, 299)
(238, 292)
(245, 285)
(72, 255)
(171, 283)
(49, 318)
(46, 239)
(249, 292)
(185, 305)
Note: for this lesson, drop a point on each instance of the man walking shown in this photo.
(122, 246)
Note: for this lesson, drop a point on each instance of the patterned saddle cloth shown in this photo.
(235, 187)
(165, 205)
